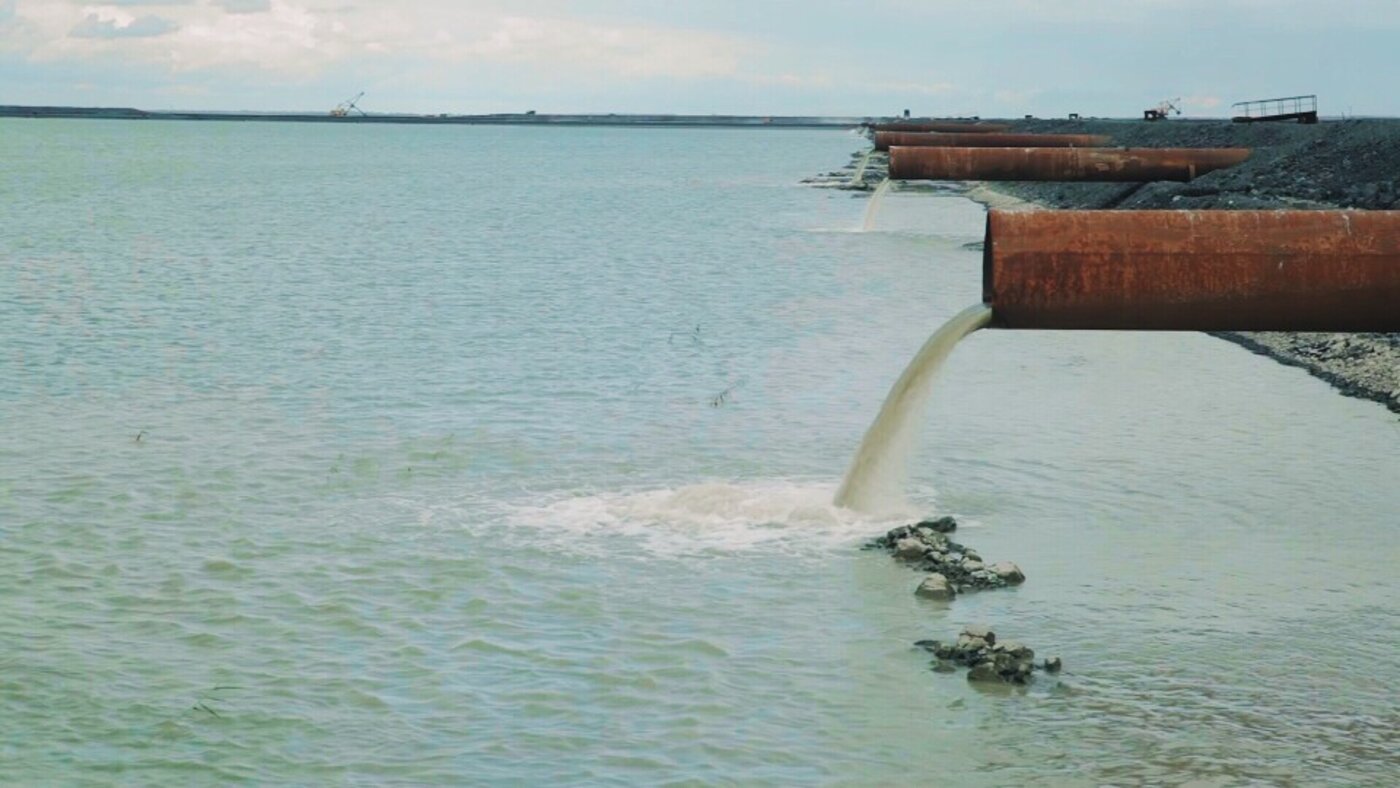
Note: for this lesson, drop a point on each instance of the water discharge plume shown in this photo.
(873, 207)
(875, 480)
(706, 517)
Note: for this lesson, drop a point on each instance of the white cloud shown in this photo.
(243, 6)
(1202, 102)
(148, 26)
(303, 38)
(636, 51)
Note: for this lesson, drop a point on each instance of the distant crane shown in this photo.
(1160, 112)
(343, 108)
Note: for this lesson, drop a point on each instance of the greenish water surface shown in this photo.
(482, 455)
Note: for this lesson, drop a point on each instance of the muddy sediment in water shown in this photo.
(1351, 164)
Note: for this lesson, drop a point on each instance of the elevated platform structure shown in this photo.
(1300, 108)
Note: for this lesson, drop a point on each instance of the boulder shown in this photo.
(1010, 573)
(909, 549)
(968, 646)
(1015, 649)
(989, 659)
(985, 671)
(943, 525)
(935, 586)
(976, 631)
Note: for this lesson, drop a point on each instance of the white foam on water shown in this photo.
(711, 517)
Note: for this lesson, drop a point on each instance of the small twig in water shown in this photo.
(724, 396)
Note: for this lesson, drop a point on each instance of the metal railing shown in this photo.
(1275, 107)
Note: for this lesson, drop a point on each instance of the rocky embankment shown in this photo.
(1352, 164)
(987, 658)
(951, 568)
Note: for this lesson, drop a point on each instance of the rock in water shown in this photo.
(1015, 649)
(909, 549)
(984, 671)
(1009, 573)
(943, 525)
(988, 659)
(974, 631)
(935, 586)
(925, 545)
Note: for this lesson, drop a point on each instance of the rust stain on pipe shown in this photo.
(1060, 164)
(943, 126)
(884, 140)
(1194, 270)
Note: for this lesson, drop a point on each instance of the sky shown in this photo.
(993, 58)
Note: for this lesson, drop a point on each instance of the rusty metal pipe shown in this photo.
(884, 140)
(1193, 270)
(1060, 164)
(942, 126)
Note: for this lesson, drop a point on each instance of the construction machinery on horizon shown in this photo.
(1162, 111)
(343, 108)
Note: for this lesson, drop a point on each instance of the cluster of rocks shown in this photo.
(863, 173)
(953, 568)
(987, 659)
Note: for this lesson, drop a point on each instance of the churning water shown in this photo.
(364, 454)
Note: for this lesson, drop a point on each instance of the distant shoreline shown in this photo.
(503, 119)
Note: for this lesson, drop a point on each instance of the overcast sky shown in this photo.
(935, 57)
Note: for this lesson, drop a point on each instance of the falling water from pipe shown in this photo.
(873, 207)
(875, 481)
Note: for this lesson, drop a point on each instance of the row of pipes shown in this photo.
(1190, 270)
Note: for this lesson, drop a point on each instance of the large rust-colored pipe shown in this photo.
(1059, 164)
(1194, 270)
(943, 126)
(884, 140)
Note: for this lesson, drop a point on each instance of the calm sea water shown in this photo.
(416, 455)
